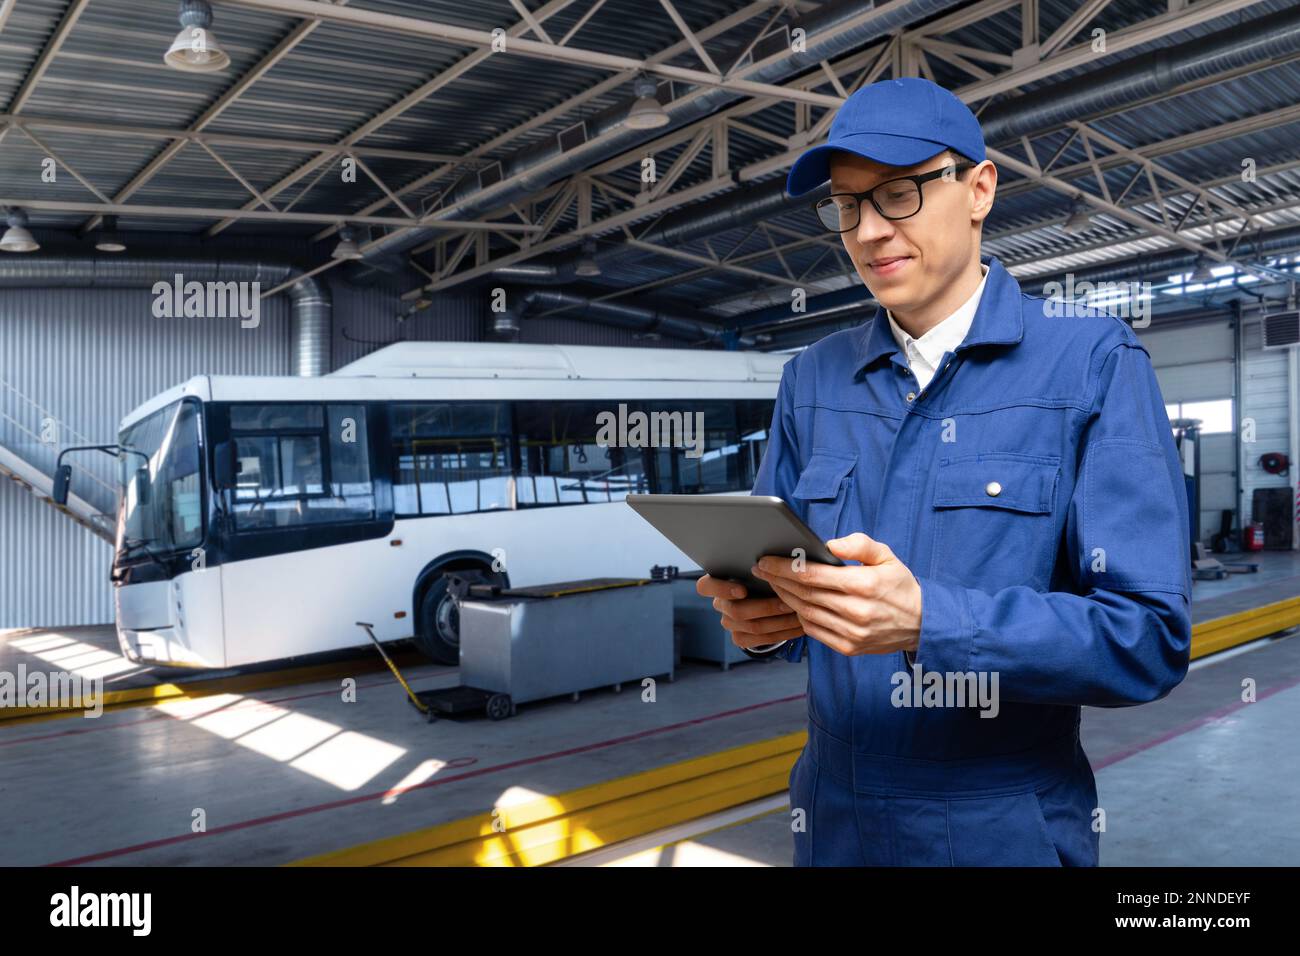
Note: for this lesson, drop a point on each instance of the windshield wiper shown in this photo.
(130, 546)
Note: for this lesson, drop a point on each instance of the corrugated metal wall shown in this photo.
(52, 571)
(89, 356)
(364, 320)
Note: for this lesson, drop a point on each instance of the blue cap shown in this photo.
(896, 122)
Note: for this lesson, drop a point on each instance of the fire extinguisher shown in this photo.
(1254, 537)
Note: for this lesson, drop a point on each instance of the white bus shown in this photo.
(274, 513)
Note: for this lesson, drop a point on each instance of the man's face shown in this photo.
(908, 264)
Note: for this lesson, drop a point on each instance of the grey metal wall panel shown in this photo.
(1218, 480)
(1202, 342)
(1193, 363)
(1195, 382)
(53, 573)
(365, 319)
(89, 356)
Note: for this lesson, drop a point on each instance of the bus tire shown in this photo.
(438, 634)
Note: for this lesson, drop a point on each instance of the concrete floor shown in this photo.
(1180, 778)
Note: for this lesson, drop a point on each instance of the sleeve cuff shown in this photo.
(947, 640)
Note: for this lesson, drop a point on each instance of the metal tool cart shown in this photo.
(525, 644)
(702, 635)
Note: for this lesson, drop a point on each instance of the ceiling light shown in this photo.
(1079, 220)
(587, 265)
(195, 49)
(16, 237)
(347, 247)
(646, 112)
(109, 240)
(1201, 273)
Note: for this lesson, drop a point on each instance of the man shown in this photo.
(1003, 485)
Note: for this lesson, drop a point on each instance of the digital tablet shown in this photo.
(727, 534)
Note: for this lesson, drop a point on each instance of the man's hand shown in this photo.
(872, 608)
(752, 622)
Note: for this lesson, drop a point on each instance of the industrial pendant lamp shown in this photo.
(109, 240)
(1080, 219)
(1201, 270)
(16, 237)
(195, 49)
(587, 265)
(646, 112)
(347, 247)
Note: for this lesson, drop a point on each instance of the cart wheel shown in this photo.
(500, 706)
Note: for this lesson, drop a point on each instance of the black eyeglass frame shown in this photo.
(920, 179)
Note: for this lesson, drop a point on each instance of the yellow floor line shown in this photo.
(236, 684)
(1222, 633)
(552, 828)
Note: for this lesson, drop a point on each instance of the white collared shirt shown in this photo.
(924, 354)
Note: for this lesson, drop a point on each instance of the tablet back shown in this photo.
(727, 534)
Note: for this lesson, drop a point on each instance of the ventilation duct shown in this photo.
(620, 314)
(1272, 37)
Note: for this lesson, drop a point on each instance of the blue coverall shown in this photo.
(1070, 578)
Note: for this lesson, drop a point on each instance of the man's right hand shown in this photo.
(753, 622)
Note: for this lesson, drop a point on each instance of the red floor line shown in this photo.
(428, 784)
(1107, 761)
(1190, 725)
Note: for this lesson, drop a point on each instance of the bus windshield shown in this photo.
(160, 505)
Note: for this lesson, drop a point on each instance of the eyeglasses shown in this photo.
(895, 199)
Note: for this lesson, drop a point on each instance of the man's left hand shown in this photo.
(871, 608)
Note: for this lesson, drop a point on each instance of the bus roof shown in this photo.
(519, 361)
(479, 364)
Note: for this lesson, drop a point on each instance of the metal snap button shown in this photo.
(911, 395)
(993, 489)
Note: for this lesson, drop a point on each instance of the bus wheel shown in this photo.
(438, 635)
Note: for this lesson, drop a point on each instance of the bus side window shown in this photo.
(562, 458)
(300, 465)
(450, 457)
(699, 452)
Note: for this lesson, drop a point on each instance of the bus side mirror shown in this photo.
(142, 485)
(62, 482)
(225, 465)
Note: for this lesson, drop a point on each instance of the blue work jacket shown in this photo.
(1034, 490)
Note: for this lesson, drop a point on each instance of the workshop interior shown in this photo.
(330, 333)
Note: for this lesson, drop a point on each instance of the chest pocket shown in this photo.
(994, 520)
(822, 489)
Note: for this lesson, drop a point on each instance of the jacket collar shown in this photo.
(997, 320)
